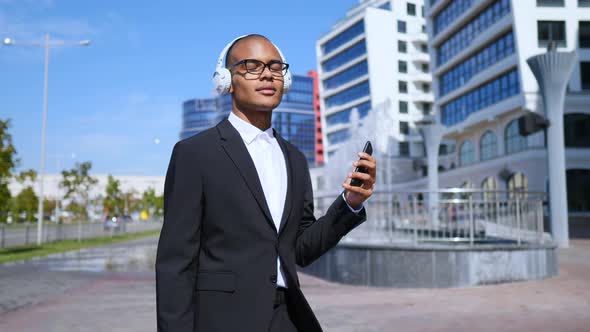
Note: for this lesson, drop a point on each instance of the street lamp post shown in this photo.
(47, 44)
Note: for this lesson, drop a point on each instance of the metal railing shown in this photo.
(24, 234)
(451, 216)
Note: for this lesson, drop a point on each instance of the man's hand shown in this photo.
(355, 196)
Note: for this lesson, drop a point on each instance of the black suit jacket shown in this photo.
(217, 254)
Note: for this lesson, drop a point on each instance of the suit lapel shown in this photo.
(236, 150)
(289, 197)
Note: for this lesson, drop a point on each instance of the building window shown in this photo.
(402, 87)
(344, 115)
(423, 28)
(584, 34)
(386, 6)
(404, 149)
(501, 88)
(448, 15)
(488, 146)
(345, 56)
(578, 182)
(411, 9)
(404, 129)
(355, 92)
(463, 38)
(466, 153)
(583, 3)
(585, 75)
(551, 31)
(492, 53)
(517, 185)
(469, 188)
(422, 10)
(403, 106)
(401, 26)
(550, 3)
(490, 187)
(426, 108)
(424, 48)
(344, 37)
(577, 130)
(348, 75)
(402, 46)
(425, 68)
(402, 66)
(426, 87)
(514, 141)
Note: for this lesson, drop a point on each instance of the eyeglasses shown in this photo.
(256, 67)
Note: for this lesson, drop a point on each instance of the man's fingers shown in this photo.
(358, 190)
(366, 156)
(360, 176)
(364, 163)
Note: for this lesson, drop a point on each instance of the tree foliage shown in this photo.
(113, 203)
(8, 161)
(77, 184)
(26, 204)
(152, 203)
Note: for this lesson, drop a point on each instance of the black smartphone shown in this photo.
(368, 149)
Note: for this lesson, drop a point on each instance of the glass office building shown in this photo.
(482, 85)
(293, 119)
(378, 53)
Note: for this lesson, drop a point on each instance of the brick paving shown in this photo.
(35, 299)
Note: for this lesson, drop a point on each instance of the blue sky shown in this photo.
(109, 102)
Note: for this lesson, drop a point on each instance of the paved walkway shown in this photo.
(64, 300)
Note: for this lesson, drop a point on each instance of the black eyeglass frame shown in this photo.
(283, 71)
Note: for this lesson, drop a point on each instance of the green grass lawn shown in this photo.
(33, 250)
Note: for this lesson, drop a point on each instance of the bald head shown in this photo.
(231, 58)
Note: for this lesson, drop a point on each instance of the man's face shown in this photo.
(253, 92)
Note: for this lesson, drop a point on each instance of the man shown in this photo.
(238, 213)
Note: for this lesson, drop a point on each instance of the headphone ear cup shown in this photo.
(222, 80)
(287, 83)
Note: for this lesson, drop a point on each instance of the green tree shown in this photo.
(113, 202)
(8, 161)
(152, 203)
(26, 202)
(49, 206)
(78, 183)
(28, 175)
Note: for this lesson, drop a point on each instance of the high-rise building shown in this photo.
(319, 139)
(294, 118)
(378, 53)
(483, 84)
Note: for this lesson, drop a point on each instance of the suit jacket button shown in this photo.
(273, 278)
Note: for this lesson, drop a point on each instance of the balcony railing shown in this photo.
(449, 217)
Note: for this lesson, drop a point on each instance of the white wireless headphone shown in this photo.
(222, 75)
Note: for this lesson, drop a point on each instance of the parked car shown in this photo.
(114, 223)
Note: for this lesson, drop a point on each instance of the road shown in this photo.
(112, 288)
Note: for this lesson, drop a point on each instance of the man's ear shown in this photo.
(231, 85)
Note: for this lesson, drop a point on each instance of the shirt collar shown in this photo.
(247, 131)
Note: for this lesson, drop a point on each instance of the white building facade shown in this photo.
(377, 54)
(129, 183)
(482, 85)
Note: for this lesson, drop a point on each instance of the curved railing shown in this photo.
(451, 216)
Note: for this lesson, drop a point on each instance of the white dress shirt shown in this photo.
(270, 165)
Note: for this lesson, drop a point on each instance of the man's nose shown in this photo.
(266, 73)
